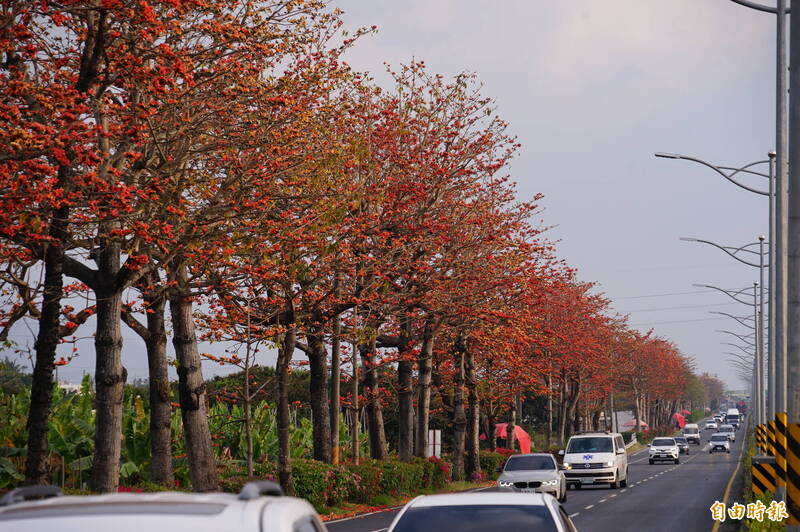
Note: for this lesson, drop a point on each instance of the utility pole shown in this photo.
(793, 274)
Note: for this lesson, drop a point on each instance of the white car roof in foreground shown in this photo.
(479, 498)
(154, 512)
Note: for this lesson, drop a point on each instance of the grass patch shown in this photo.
(384, 502)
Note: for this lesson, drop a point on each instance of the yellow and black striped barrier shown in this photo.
(771, 437)
(763, 474)
(793, 473)
(780, 448)
(759, 435)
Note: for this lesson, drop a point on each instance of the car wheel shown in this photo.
(563, 497)
(651, 461)
(614, 485)
(687, 452)
(624, 482)
(710, 451)
(729, 451)
(677, 460)
(576, 486)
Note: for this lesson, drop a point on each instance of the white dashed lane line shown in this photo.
(589, 507)
(614, 495)
(602, 500)
(573, 515)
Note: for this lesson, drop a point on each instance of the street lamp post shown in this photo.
(759, 401)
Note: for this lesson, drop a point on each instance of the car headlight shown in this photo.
(550, 482)
(504, 484)
(608, 464)
(567, 465)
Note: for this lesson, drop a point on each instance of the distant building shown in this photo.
(69, 387)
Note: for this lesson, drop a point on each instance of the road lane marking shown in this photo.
(573, 515)
(380, 530)
(728, 487)
(589, 507)
(623, 491)
(614, 495)
(602, 500)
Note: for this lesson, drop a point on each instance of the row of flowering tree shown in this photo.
(220, 161)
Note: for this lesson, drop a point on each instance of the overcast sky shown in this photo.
(592, 89)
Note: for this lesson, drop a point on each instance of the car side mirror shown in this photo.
(648, 445)
(620, 450)
(561, 452)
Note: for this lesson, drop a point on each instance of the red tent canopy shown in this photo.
(679, 419)
(520, 435)
(632, 423)
(684, 411)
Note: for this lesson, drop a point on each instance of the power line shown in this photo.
(676, 321)
(668, 294)
(678, 308)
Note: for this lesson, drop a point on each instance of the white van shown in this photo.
(595, 458)
(733, 417)
(692, 433)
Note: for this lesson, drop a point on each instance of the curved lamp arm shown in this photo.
(742, 338)
(759, 7)
(740, 320)
(744, 358)
(745, 351)
(746, 169)
(726, 250)
(728, 293)
(715, 168)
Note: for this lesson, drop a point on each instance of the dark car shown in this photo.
(683, 444)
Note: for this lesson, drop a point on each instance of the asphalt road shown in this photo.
(659, 497)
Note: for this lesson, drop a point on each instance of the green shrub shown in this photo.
(401, 477)
(436, 472)
(310, 481)
(368, 481)
(490, 461)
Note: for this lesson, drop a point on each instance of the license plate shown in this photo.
(587, 481)
(528, 490)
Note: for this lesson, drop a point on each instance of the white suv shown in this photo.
(596, 458)
(259, 506)
(664, 449)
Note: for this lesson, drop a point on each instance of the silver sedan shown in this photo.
(536, 472)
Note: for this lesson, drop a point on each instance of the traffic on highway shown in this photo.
(658, 487)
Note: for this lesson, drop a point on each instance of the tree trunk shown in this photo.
(191, 388)
(473, 466)
(335, 385)
(110, 375)
(424, 361)
(636, 413)
(161, 470)
(491, 429)
(320, 411)
(459, 415)
(511, 427)
(377, 435)
(47, 339)
(285, 354)
(405, 395)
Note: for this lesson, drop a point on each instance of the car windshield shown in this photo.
(663, 442)
(691, 430)
(680, 440)
(719, 437)
(475, 518)
(597, 444)
(726, 428)
(528, 463)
